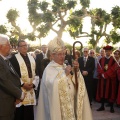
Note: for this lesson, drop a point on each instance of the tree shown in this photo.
(61, 15)
(3, 29)
(15, 30)
(115, 35)
(67, 16)
(45, 16)
(100, 20)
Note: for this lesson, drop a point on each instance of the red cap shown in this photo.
(108, 47)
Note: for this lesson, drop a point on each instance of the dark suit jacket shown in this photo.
(90, 65)
(9, 89)
(39, 59)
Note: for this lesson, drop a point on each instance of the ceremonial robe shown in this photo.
(118, 78)
(58, 99)
(106, 86)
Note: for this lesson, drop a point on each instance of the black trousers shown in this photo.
(89, 87)
(10, 117)
(95, 82)
(24, 113)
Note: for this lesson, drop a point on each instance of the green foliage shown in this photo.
(101, 16)
(115, 12)
(75, 27)
(14, 40)
(54, 8)
(43, 5)
(78, 13)
(34, 17)
(74, 24)
(107, 40)
(43, 30)
(48, 17)
(3, 29)
(43, 16)
(12, 15)
(85, 3)
(31, 36)
(107, 18)
(92, 42)
(115, 37)
(71, 4)
(58, 2)
(63, 6)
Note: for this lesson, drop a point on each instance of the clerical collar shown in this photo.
(107, 57)
(23, 55)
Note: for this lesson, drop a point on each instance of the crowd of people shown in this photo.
(49, 84)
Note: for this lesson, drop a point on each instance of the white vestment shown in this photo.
(57, 99)
(30, 98)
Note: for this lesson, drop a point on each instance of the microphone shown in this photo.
(67, 63)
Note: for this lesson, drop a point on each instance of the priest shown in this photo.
(58, 99)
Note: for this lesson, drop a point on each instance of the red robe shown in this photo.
(108, 90)
(118, 76)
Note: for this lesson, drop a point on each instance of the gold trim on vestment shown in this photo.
(67, 110)
(29, 95)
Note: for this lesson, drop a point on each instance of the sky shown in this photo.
(20, 5)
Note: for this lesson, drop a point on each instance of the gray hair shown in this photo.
(3, 39)
(92, 50)
(85, 48)
(101, 50)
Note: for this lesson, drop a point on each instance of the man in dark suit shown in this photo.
(87, 65)
(10, 90)
(39, 59)
(39, 66)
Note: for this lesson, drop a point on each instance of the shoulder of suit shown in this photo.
(80, 58)
(13, 57)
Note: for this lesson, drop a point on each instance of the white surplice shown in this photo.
(58, 99)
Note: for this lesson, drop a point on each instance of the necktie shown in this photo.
(85, 60)
(9, 64)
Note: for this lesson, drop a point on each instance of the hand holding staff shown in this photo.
(75, 68)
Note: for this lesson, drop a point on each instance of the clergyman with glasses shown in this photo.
(58, 99)
(25, 66)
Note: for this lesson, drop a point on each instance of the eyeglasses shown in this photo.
(23, 46)
(116, 54)
(86, 51)
(92, 53)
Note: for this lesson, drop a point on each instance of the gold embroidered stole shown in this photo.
(30, 95)
(67, 110)
(80, 96)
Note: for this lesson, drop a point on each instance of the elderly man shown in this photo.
(9, 82)
(102, 53)
(106, 89)
(87, 65)
(25, 66)
(59, 99)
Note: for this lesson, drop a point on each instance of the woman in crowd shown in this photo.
(117, 59)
